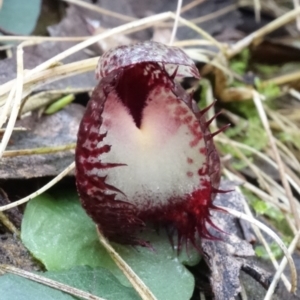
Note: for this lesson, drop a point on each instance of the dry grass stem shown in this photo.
(285, 124)
(209, 54)
(120, 29)
(8, 224)
(53, 74)
(243, 292)
(15, 129)
(7, 105)
(297, 5)
(101, 10)
(175, 26)
(202, 33)
(209, 101)
(257, 10)
(264, 120)
(202, 296)
(281, 268)
(286, 151)
(42, 38)
(136, 282)
(17, 101)
(44, 150)
(6, 47)
(255, 170)
(260, 33)
(41, 190)
(282, 79)
(215, 14)
(49, 282)
(198, 56)
(260, 235)
(295, 93)
(257, 191)
(191, 5)
(274, 236)
(293, 179)
(225, 140)
(44, 98)
(192, 43)
(207, 17)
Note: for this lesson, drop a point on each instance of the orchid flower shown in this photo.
(144, 153)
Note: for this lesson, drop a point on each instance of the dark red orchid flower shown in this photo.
(144, 152)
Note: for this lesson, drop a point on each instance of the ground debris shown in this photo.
(227, 256)
(48, 131)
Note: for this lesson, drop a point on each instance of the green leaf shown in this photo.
(13, 287)
(252, 135)
(267, 209)
(19, 16)
(290, 137)
(59, 233)
(261, 252)
(240, 64)
(270, 91)
(267, 70)
(59, 104)
(98, 282)
(239, 165)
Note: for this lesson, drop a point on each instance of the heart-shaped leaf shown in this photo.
(19, 16)
(98, 282)
(59, 233)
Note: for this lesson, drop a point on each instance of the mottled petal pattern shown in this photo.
(169, 57)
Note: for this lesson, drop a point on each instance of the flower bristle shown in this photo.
(144, 152)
